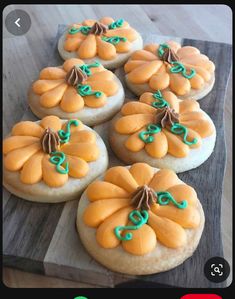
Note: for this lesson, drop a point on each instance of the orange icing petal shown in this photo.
(209, 66)
(78, 168)
(71, 101)
(137, 108)
(144, 72)
(187, 218)
(147, 98)
(82, 136)
(183, 192)
(42, 86)
(173, 45)
(132, 64)
(159, 147)
(27, 128)
(179, 84)
(88, 47)
(50, 175)
(176, 147)
(197, 59)
(106, 20)
(133, 143)
(15, 159)
(14, 142)
(172, 99)
(77, 35)
(52, 97)
(131, 123)
(97, 211)
(88, 22)
(152, 48)
(123, 47)
(85, 150)
(164, 179)
(197, 82)
(129, 33)
(169, 233)
(105, 190)
(159, 81)
(105, 50)
(202, 127)
(69, 63)
(142, 173)
(102, 75)
(31, 172)
(143, 55)
(72, 44)
(193, 115)
(188, 106)
(94, 102)
(73, 128)
(52, 122)
(187, 51)
(143, 241)
(105, 235)
(109, 87)
(121, 177)
(52, 73)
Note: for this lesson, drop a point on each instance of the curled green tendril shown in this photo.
(180, 68)
(58, 159)
(138, 218)
(160, 103)
(161, 49)
(179, 129)
(116, 24)
(114, 39)
(146, 136)
(164, 198)
(83, 29)
(85, 90)
(86, 67)
(65, 135)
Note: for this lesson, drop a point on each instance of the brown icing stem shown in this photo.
(50, 141)
(75, 76)
(169, 55)
(98, 29)
(166, 117)
(143, 197)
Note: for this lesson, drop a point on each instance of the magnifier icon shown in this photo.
(217, 270)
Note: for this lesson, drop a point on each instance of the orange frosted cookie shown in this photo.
(140, 220)
(52, 160)
(77, 90)
(106, 40)
(182, 70)
(163, 131)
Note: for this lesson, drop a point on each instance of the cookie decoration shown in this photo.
(163, 131)
(88, 92)
(170, 66)
(108, 41)
(52, 160)
(139, 219)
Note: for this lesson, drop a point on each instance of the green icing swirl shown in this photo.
(65, 135)
(146, 136)
(83, 29)
(164, 198)
(58, 158)
(160, 103)
(116, 24)
(114, 40)
(85, 90)
(86, 67)
(179, 129)
(161, 49)
(180, 68)
(139, 221)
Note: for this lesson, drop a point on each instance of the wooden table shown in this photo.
(208, 22)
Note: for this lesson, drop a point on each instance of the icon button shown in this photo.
(18, 22)
(216, 269)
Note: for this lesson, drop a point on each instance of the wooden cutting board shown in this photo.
(42, 238)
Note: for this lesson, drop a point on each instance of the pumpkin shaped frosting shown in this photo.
(50, 151)
(139, 211)
(107, 40)
(182, 70)
(74, 89)
(161, 125)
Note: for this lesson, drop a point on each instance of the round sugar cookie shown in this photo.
(163, 131)
(140, 220)
(88, 92)
(182, 70)
(108, 41)
(52, 160)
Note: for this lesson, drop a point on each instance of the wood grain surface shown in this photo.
(35, 48)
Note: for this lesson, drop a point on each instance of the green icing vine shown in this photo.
(117, 24)
(179, 129)
(114, 39)
(58, 158)
(160, 103)
(164, 198)
(146, 136)
(85, 90)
